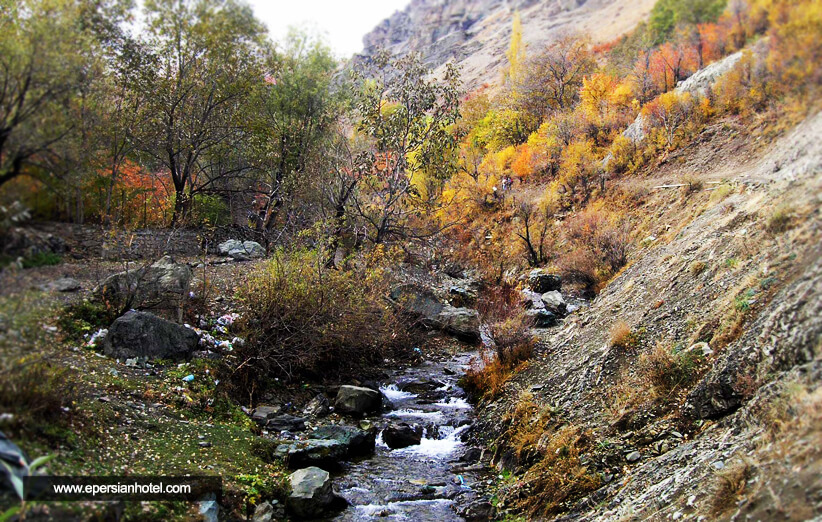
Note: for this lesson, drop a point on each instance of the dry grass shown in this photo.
(667, 370)
(729, 486)
(781, 220)
(622, 337)
(697, 267)
(550, 452)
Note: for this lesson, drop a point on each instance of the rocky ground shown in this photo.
(736, 267)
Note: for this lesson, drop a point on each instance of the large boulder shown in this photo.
(462, 323)
(161, 288)
(241, 250)
(530, 299)
(401, 435)
(325, 454)
(311, 493)
(146, 336)
(357, 401)
(541, 281)
(554, 303)
(417, 301)
(357, 442)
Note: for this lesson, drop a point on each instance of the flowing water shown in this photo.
(422, 482)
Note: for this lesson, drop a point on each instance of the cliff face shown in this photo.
(476, 33)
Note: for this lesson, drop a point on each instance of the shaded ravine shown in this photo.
(429, 481)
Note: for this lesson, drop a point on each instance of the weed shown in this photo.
(731, 262)
(79, 320)
(697, 267)
(624, 338)
(730, 484)
(42, 259)
(781, 220)
(667, 369)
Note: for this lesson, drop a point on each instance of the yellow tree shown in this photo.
(515, 54)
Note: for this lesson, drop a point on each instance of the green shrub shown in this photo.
(42, 259)
(208, 209)
(83, 318)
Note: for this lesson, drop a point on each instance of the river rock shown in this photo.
(462, 323)
(325, 454)
(357, 442)
(64, 284)
(261, 414)
(311, 494)
(418, 386)
(554, 303)
(357, 400)
(542, 318)
(317, 407)
(268, 512)
(161, 288)
(241, 250)
(145, 336)
(540, 281)
(286, 423)
(401, 435)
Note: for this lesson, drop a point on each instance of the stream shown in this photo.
(421, 482)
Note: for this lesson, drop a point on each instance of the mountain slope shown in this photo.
(476, 33)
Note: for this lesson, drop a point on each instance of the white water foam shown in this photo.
(456, 403)
(436, 448)
(395, 394)
(432, 416)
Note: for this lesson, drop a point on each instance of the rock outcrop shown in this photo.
(161, 288)
(143, 335)
(476, 33)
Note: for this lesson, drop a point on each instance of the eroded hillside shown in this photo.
(691, 385)
(475, 34)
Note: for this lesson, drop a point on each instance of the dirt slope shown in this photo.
(738, 266)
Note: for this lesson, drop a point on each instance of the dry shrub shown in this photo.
(692, 184)
(697, 267)
(558, 479)
(36, 392)
(729, 485)
(781, 220)
(623, 337)
(510, 328)
(600, 245)
(302, 320)
(668, 370)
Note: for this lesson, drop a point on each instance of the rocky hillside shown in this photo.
(690, 387)
(476, 33)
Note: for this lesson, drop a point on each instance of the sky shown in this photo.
(342, 22)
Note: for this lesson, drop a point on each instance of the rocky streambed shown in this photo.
(435, 479)
(395, 450)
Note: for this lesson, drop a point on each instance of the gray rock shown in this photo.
(542, 318)
(462, 295)
(325, 454)
(161, 288)
(541, 281)
(554, 303)
(417, 301)
(317, 407)
(401, 435)
(64, 284)
(286, 423)
(357, 401)
(264, 512)
(262, 414)
(241, 250)
(633, 456)
(144, 335)
(531, 300)
(311, 494)
(462, 323)
(357, 442)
